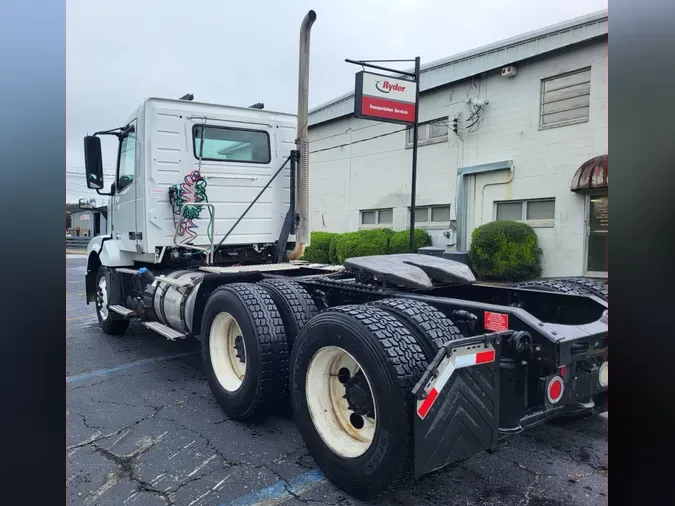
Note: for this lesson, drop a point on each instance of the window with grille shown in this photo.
(522, 210)
(428, 133)
(432, 215)
(565, 99)
(377, 217)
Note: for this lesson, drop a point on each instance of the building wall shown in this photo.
(87, 225)
(349, 173)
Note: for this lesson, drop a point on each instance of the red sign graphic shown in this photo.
(387, 109)
(496, 321)
(386, 87)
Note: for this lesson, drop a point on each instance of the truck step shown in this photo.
(162, 329)
(250, 268)
(120, 310)
(180, 283)
(124, 270)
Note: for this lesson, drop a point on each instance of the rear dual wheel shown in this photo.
(244, 350)
(248, 331)
(352, 372)
(351, 375)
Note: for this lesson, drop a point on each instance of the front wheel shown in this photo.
(352, 372)
(109, 325)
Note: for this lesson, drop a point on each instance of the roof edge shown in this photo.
(577, 22)
(213, 104)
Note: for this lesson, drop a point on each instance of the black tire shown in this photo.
(109, 325)
(392, 360)
(552, 285)
(294, 303)
(265, 383)
(431, 327)
(592, 287)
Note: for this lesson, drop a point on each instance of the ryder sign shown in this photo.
(384, 98)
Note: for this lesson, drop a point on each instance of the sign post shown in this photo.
(390, 99)
(413, 186)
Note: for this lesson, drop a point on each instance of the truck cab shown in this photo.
(235, 151)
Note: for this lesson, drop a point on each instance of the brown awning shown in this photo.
(592, 174)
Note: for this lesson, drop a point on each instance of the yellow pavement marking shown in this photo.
(80, 318)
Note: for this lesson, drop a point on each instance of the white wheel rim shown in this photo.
(103, 288)
(329, 409)
(226, 360)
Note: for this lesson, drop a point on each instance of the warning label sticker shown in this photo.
(496, 321)
(157, 193)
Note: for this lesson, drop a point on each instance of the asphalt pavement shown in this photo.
(143, 429)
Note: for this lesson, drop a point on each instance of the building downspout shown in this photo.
(462, 197)
(302, 192)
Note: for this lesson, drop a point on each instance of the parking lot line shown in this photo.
(88, 317)
(137, 363)
(280, 491)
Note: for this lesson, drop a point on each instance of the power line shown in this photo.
(360, 140)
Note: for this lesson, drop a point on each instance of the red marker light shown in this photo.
(562, 370)
(555, 389)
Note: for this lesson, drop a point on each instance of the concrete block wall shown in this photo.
(349, 173)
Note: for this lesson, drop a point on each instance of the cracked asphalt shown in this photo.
(143, 429)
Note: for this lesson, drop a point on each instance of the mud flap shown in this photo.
(457, 402)
(115, 282)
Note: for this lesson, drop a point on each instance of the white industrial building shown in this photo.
(531, 144)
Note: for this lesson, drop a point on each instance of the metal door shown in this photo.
(124, 200)
(597, 232)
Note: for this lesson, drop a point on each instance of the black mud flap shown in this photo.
(457, 409)
(115, 282)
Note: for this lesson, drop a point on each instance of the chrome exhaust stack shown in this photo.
(302, 180)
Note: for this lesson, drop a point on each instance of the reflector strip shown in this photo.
(426, 405)
(456, 362)
(485, 357)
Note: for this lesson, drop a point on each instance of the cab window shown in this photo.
(127, 163)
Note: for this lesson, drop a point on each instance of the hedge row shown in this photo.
(500, 250)
(330, 248)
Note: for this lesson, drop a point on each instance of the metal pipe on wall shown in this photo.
(462, 197)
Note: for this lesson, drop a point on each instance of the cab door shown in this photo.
(124, 217)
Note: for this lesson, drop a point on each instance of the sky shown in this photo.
(240, 53)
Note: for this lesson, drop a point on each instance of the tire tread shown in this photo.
(271, 336)
(299, 304)
(592, 287)
(431, 326)
(552, 285)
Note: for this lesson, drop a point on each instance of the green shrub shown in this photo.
(505, 251)
(400, 241)
(332, 250)
(317, 251)
(362, 243)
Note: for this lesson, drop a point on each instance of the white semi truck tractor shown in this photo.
(395, 365)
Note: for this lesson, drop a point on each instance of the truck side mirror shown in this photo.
(93, 162)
